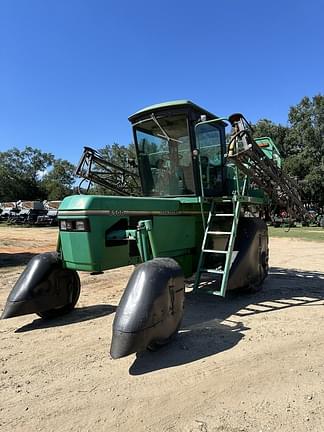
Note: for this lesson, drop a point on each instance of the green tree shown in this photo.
(119, 154)
(58, 182)
(305, 141)
(306, 131)
(20, 172)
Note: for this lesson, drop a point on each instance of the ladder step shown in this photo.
(219, 232)
(215, 251)
(223, 214)
(215, 293)
(215, 213)
(204, 270)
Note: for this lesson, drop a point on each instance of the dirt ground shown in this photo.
(246, 363)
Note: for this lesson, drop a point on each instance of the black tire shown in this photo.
(157, 344)
(72, 283)
(257, 286)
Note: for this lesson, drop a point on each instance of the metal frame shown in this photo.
(94, 168)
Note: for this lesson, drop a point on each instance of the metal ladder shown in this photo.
(213, 216)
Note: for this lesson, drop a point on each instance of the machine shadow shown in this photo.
(76, 316)
(212, 324)
(15, 259)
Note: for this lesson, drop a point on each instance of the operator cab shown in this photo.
(180, 150)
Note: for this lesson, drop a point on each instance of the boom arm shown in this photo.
(252, 161)
(96, 169)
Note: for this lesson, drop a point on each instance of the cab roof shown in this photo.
(181, 103)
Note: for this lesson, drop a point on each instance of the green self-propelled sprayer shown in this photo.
(194, 205)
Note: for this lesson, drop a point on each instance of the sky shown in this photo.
(72, 71)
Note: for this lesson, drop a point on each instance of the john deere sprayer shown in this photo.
(200, 210)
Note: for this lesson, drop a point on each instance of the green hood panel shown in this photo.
(103, 202)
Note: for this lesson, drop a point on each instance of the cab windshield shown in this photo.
(164, 156)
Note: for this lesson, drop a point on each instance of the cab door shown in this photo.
(210, 140)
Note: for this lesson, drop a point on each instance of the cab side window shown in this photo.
(209, 143)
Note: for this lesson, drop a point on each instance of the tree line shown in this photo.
(31, 174)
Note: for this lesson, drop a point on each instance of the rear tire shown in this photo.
(65, 279)
(257, 286)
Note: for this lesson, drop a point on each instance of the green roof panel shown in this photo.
(170, 104)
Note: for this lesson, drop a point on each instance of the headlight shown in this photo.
(79, 225)
(62, 225)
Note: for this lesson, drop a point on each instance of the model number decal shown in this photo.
(116, 212)
(168, 212)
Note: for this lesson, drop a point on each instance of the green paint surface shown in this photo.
(174, 235)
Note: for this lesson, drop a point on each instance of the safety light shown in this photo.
(79, 225)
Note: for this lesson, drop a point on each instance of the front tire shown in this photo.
(64, 279)
(157, 344)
